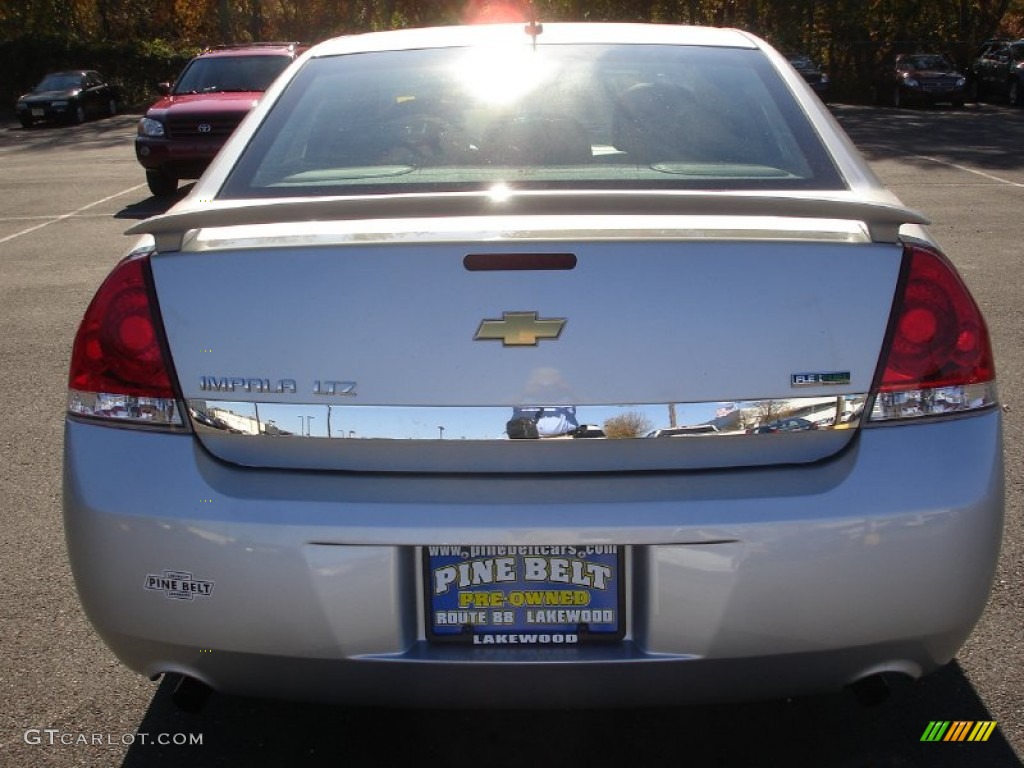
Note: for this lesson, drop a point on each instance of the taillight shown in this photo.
(118, 370)
(939, 357)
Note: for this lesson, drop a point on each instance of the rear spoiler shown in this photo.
(882, 220)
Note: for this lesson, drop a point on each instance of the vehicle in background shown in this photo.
(793, 424)
(687, 431)
(997, 72)
(918, 79)
(811, 72)
(182, 132)
(71, 96)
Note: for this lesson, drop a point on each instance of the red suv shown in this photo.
(181, 133)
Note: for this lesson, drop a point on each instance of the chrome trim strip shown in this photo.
(493, 423)
(126, 410)
(471, 231)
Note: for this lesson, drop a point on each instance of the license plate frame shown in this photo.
(524, 596)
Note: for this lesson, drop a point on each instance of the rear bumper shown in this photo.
(742, 584)
(64, 112)
(181, 159)
(921, 96)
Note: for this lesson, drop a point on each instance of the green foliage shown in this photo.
(139, 42)
(625, 425)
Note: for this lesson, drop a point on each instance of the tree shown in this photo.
(849, 37)
(629, 424)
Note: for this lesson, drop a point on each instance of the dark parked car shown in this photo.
(997, 71)
(792, 424)
(921, 78)
(71, 96)
(811, 72)
(182, 132)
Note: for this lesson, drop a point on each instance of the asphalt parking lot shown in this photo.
(69, 193)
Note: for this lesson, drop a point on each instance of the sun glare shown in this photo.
(504, 75)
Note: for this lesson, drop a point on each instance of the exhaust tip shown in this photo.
(871, 691)
(190, 695)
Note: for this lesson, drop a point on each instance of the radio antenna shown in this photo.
(534, 28)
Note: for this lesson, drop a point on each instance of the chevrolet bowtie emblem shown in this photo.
(520, 329)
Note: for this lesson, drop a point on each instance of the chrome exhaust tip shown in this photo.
(871, 691)
(190, 695)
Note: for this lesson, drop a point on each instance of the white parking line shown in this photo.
(957, 166)
(970, 170)
(64, 216)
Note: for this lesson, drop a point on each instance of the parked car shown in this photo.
(997, 72)
(182, 132)
(791, 424)
(72, 96)
(921, 79)
(416, 231)
(812, 72)
(687, 431)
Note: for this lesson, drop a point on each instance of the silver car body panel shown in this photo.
(242, 315)
(740, 583)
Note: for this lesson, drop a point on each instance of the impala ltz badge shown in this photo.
(258, 385)
(520, 329)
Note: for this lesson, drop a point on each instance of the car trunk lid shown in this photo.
(407, 345)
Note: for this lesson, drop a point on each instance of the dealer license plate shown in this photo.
(524, 595)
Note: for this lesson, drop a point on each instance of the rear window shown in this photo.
(456, 119)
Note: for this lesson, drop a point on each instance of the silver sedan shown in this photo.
(365, 417)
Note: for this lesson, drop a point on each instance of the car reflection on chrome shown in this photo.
(784, 425)
(696, 429)
(470, 222)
